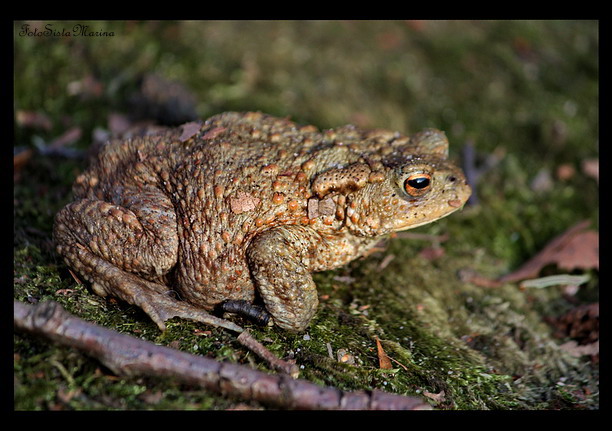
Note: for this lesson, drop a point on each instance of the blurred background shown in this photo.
(518, 100)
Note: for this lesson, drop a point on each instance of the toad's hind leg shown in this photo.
(121, 250)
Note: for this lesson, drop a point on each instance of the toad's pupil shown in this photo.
(418, 183)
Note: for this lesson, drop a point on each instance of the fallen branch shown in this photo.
(129, 356)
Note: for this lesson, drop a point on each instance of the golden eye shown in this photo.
(417, 184)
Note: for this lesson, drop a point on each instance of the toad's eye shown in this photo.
(417, 184)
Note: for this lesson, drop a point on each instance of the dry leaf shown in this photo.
(35, 120)
(151, 397)
(345, 357)
(565, 171)
(384, 362)
(118, 123)
(574, 249)
(386, 261)
(88, 87)
(577, 350)
(580, 323)
(591, 168)
(580, 252)
(439, 397)
(67, 138)
(542, 182)
(189, 130)
(21, 159)
(213, 133)
(431, 253)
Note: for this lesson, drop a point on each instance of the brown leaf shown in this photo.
(67, 138)
(88, 87)
(189, 130)
(565, 171)
(384, 362)
(213, 133)
(580, 252)
(439, 397)
(151, 397)
(345, 357)
(118, 123)
(542, 182)
(577, 350)
(580, 323)
(591, 168)
(20, 159)
(34, 120)
(431, 253)
(468, 275)
(574, 249)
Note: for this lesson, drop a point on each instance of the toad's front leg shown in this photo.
(280, 261)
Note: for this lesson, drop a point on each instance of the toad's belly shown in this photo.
(208, 285)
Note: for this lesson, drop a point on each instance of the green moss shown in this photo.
(524, 89)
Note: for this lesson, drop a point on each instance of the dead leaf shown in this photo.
(21, 159)
(75, 277)
(574, 249)
(389, 40)
(439, 397)
(34, 120)
(88, 87)
(189, 130)
(384, 362)
(345, 357)
(417, 25)
(202, 333)
(118, 123)
(67, 138)
(577, 350)
(65, 395)
(213, 133)
(565, 171)
(580, 252)
(151, 397)
(431, 253)
(580, 323)
(386, 261)
(542, 182)
(468, 275)
(434, 239)
(591, 168)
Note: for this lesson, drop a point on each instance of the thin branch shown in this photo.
(126, 355)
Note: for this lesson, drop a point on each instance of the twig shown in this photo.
(126, 355)
(474, 172)
(256, 347)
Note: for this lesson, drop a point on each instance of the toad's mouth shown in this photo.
(460, 206)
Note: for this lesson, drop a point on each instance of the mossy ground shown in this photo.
(528, 89)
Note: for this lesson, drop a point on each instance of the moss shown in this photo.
(525, 89)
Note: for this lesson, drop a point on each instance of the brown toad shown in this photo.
(242, 208)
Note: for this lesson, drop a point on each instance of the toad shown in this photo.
(240, 209)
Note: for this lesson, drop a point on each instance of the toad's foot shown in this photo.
(152, 298)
